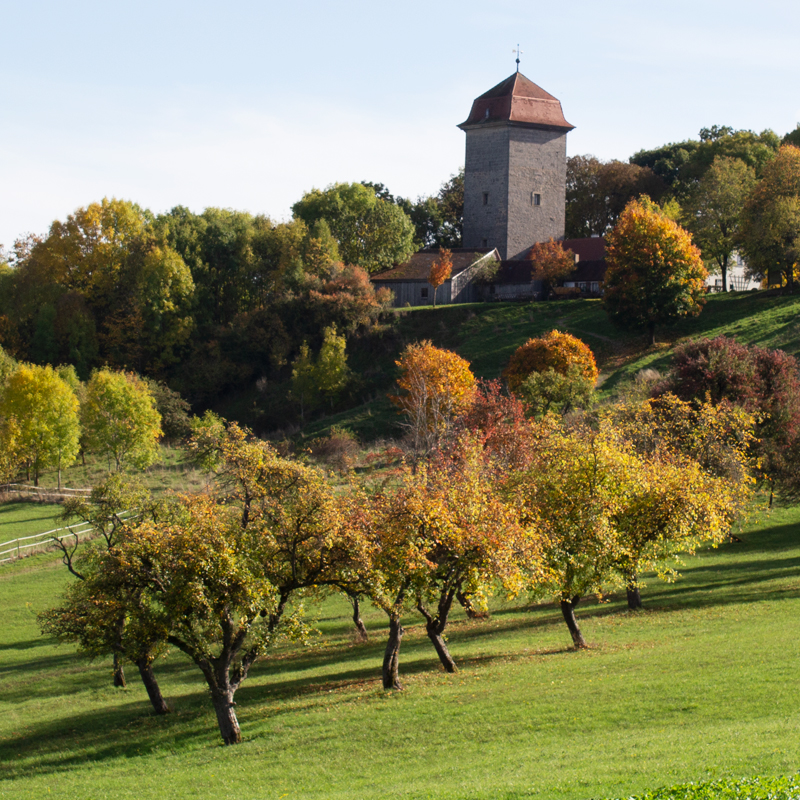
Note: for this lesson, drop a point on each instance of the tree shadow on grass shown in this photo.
(125, 730)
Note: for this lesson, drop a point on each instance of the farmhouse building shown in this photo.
(409, 281)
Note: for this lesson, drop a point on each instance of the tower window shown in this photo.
(536, 199)
(486, 198)
(484, 242)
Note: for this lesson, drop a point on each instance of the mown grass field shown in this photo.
(703, 684)
(24, 518)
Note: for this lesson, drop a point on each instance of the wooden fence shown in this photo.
(42, 493)
(23, 546)
(39, 540)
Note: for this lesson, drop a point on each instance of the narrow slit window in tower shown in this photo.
(536, 199)
(486, 198)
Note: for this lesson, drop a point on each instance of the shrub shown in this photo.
(556, 351)
(764, 382)
(338, 449)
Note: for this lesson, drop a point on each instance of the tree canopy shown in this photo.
(598, 191)
(370, 232)
(714, 210)
(44, 410)
(655, 274)
(121, 418)
(770, 231)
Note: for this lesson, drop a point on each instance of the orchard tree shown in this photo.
(441, 270)
(696, 477)
(121, 419)
(670, 506)
(442, 533)
(436, 386)
(770, 233)
(571, 491)
(111, 508)
(45, 413)
(655, 274)
(196, 576)
(102, 613)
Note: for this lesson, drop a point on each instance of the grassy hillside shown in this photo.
(24, 518)
(487, 335)
(703, 684)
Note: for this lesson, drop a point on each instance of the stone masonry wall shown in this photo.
(509, 165)
(486, 171)
(537, 165)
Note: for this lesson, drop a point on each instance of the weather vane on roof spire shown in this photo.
(519, 53)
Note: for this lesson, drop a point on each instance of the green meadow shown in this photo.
(701, 685)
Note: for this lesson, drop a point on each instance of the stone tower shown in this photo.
(515, 168)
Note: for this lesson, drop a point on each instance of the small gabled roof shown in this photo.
(418, 267)
(517, 100)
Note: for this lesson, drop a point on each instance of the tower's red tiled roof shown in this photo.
(519, 100)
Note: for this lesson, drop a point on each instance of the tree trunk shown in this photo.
(363, 636)
(724, 270)
(119, 673)
(226, 716)
(391, 658)
(440, 647)
(634, 598)
(151, 684)
(434, 627)
(466, 604)
(651, 332)
(568, 610)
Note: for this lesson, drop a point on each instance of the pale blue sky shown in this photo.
(247, 105)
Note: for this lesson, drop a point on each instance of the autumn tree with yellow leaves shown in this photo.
(436, 385)
(655, 274)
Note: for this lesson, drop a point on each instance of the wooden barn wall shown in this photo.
(410, 292)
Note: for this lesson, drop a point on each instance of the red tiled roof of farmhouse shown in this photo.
(418, 267)
(590, 249)
(517, 99)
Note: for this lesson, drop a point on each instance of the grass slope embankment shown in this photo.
(487, 334)
(701, 685)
